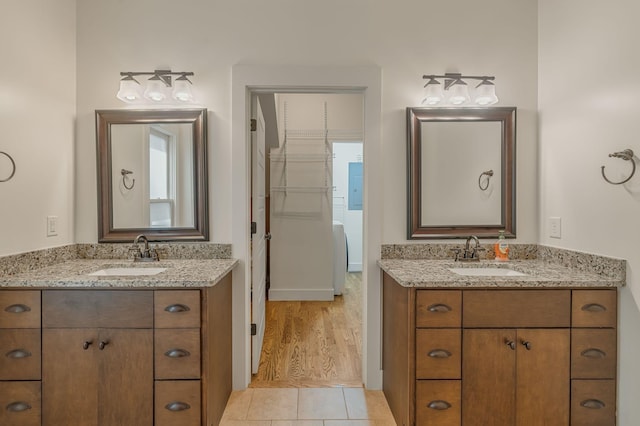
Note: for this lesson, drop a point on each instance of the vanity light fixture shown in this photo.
(157, 88)
(456, 91)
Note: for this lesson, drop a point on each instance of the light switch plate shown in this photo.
(555, 227)
(52, 226)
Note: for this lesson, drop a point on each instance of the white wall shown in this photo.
(345, 153)
(589, 98)
(37, 112)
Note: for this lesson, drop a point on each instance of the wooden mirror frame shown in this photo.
(198, 120)
(415, 117)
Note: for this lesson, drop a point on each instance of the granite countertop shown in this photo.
(435, 273)
(180, 273)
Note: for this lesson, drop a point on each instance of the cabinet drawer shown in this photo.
(594, 308)
(20, 403)
(516, 308)
(97, 308)
(177, 308)
(20, 354)
(438, 308)
(593, 353)
(438, 353)
(438, 403)
(593, 403)
(19, 309)
(177, 353)
(177, 403)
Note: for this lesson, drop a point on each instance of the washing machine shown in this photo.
(339, 258)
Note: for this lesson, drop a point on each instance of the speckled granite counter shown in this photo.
(73, 274)
(435, 273)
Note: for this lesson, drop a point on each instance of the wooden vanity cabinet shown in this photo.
(523, 357)
(103, 357)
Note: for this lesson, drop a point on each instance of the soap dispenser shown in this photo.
(501, 248)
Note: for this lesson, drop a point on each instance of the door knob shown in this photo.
(267, 236)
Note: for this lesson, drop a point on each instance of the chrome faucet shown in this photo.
(146, 255)
(470, 252)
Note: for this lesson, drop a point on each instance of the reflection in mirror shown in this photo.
(461, 172)
(152, 174)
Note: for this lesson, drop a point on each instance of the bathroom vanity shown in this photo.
(116, 349)
(525, 350)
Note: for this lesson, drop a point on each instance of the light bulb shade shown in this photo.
(458, 93)
(156, 90)
(485, 93)
(129, 90)
(182, 90)
(433, 93)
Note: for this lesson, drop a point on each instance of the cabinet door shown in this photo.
(488, 377)
(543, 377)
(69, 377)
(126, 377)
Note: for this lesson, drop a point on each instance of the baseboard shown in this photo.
(354, 267)
(300, 294)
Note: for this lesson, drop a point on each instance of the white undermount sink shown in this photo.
(128, 272)
(487, 272)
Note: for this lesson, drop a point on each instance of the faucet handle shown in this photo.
(456, 252)
(136, 251)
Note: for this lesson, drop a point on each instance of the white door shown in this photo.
(258, 243)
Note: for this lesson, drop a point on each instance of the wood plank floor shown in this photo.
(313, 344)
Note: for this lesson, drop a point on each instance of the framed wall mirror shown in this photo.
(152, 175)
(461, 172)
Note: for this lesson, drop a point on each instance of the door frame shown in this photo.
(248, 79)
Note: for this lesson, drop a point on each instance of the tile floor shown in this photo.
(307, 407)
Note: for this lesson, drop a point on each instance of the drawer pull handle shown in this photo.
(177, 353)
(177, 406)
(439, 405)
(102, 344)
(526, 344)
(593, 353)
(594, 307)
(18, 353)
(511, 344)
(439, 308)
(86, 344)
(17, 309)
(439, 353)
(176, 308)
(16, 407)
(594, 404)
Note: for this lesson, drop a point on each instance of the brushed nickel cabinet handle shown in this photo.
(86, 344)
(102, 344)
(17, 308)
(439, 308)
(18, 353)
(177, 406)
(594, 307)
(439, 353)
(594, 404)
(176, 353)
(511, 344)
(177, 307)
(439, 405)
(593, 353)
(18, 406)
(526, 344)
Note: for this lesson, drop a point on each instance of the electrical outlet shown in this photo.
(52, 226)
(555, 228)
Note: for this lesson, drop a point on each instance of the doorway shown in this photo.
(247, 79)
(308, 333)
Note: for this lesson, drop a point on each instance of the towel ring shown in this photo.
(488, 174)
(13, 167)
(124, 174)
(626, 155)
